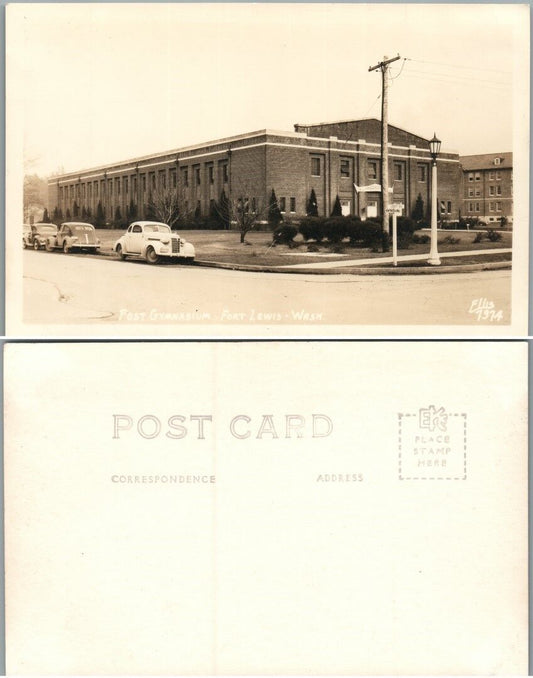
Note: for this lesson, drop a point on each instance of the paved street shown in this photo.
(62, 288)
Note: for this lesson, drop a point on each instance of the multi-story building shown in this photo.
(333, 159)
(488, 187)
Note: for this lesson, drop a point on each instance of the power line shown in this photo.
(459, 77)
(468, 68)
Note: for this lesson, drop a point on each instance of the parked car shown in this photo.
(152, 241)
(37, 235)
(74, 235)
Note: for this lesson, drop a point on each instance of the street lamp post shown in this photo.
(434, 149)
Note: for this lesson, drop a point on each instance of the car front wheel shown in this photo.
(151, 256)
(66, 248)
(49, 247)
(120, 253)
(36, 245)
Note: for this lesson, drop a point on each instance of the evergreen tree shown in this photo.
(89, 213)
(118, 217)
(312, 205)
(67, 214)
(100, 216)
(132, 211)
(75, 210)
(274, 213)
(83, 213)
(418, 210)
(223, 211)
(198, 211)
(55, 215)
(337, 209)
(46, 218)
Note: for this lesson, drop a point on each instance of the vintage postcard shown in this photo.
(267, 169)
(268, 508)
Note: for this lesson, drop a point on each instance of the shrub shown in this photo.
(450, 240)
(312, 205)
(284, 234)
(312, 247)
(274, 213)
(334, 229)
(338, 248)
(337, 209)
(312, 228)
(478, 238)
(493, 235)
(420, 239)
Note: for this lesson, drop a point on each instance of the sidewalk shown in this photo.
(376, 261)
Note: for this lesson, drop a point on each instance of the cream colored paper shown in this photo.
(337, 552)
(84, 83)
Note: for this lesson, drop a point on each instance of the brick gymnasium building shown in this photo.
(488, 186)
(328, 157)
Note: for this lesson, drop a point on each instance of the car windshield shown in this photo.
(40, 229)
(82, 229)
(156, 228)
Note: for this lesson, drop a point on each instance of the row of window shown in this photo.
(493, 190)
(122, 185)
(476, 176)
(372, 168)
(475, 207)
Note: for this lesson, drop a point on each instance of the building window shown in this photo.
(478, 193)
(491, 190)
(491, 206)
(83, 191)
(398, 171)
(110, 184)
(152, 181)
(282, 204)
(372, 169)
(497, 161)
(225, 173)
(61, 192)
(77, 191)
(95, 189)
(478, 176)
(126, 185)
(422, 172)
(162, 179)
(345, 168)
(477, 207)
(134, 185)
(197, 175)
(117, 186)
(470, 192)
(498, 176)
(498, 190)
(293, 204)
(315, 167)
(185, 176)
(470, 176)
(254, 205)
(498, 207)
(449, 207)
(491, 176)
(470, 206)
(89, 191)
(143, 183)
(211, 174)
(173, 178)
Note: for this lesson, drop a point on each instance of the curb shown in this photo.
(363, 270)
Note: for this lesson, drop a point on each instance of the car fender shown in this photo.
(120, 242)
(156, 244)
(187, 250)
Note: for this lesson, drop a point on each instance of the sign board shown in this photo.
(396, 208)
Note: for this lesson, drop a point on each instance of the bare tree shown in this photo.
(164, 205)
(243, 210)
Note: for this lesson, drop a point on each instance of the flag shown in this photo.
(371, 188)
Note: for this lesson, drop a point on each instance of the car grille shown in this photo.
(175, 245)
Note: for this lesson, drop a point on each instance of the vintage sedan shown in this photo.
(152, 241)
(37, 235)
(74, 236)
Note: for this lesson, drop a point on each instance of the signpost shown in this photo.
(395, 209)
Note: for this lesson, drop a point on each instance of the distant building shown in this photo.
(328, 158)
(488, 186)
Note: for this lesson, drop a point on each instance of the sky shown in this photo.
(98, 83)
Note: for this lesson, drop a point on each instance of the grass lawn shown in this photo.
(224, 247)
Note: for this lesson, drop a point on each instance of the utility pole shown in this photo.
(383, 66)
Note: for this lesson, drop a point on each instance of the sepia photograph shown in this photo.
(290, 170)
